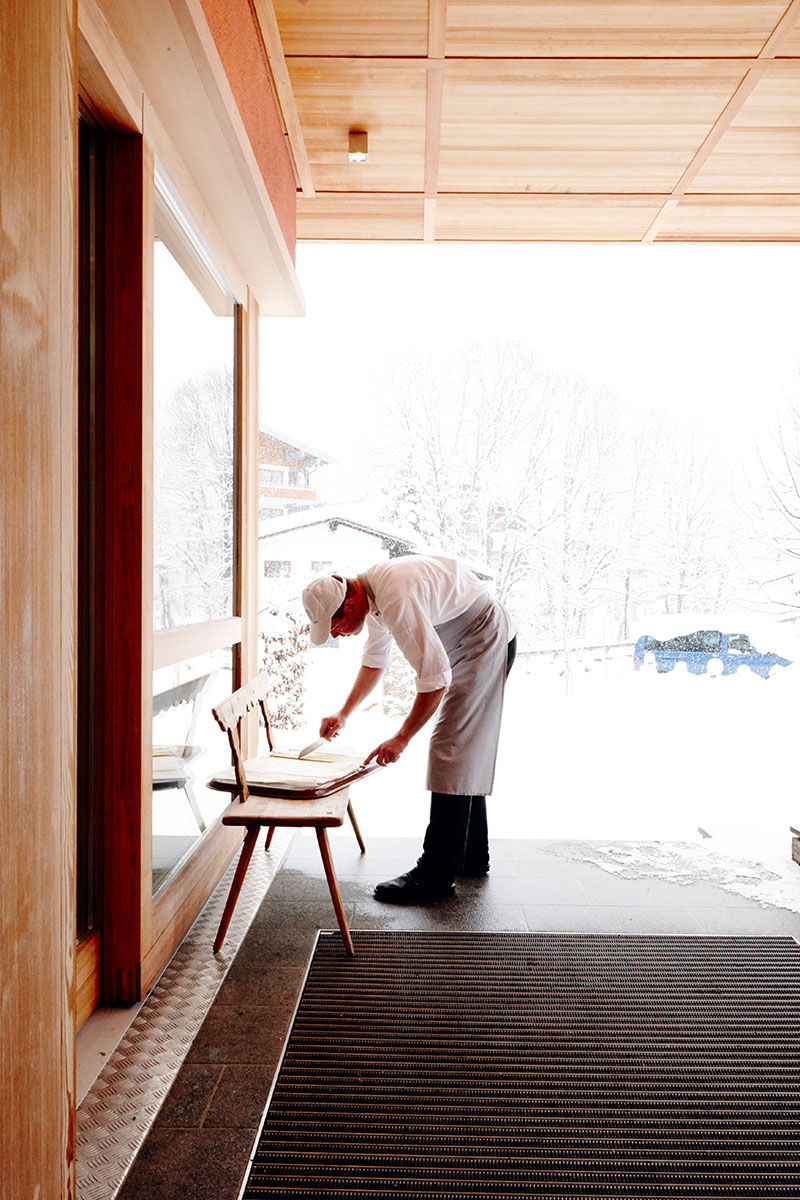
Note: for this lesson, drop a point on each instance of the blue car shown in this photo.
(734, 650)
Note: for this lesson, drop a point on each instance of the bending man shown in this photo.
(461, 644)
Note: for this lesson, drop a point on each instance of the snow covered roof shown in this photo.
(291, 440)
(333, 516)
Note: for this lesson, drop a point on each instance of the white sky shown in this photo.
(707, 329)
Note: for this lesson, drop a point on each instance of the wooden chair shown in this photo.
(280, 790)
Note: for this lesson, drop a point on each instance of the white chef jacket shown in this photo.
(408, 598)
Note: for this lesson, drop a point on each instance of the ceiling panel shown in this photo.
(577, 126)
(496, 120)
(752, 160)
(351, 28)
(760, 152)
(544, 218)
(380, 218)
(733, 219)
(609, 28)
(791, 47)
(383, 97)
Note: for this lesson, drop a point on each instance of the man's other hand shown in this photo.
(388, 751)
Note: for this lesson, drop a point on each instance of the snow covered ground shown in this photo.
(676, 776)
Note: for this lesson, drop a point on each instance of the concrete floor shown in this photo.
(200, 1143)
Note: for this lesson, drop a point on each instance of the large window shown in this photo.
(195, 479)
(193, 498)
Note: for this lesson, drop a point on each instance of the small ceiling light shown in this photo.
(358, 146)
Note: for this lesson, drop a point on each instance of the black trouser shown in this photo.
(457, 837)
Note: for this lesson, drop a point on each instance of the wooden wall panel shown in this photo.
(38, 429)
(360, 218)
(351, 28)
(733, 219)
(544, 218)
(610, 28)
(387, 99)
(577, 126)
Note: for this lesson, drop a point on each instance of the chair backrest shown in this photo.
(230, 714)
(190, 692)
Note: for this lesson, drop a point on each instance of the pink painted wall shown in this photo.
(233, 26)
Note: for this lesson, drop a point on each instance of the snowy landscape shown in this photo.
(676, 776)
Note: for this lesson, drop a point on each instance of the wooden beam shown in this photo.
(754, 75)
(429, 219)
(284, 94)
(174, 645)
(433, 127)
(105, 73)
(437, 26)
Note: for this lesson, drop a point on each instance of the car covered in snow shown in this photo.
(697, 650)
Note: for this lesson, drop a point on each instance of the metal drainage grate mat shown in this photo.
(507, 1065)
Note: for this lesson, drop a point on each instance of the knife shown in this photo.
(311, 747)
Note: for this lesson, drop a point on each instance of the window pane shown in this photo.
(188, 747)
(193, 452)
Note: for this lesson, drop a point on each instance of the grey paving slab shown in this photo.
(533, 889)
(295, 885)
(202, 1164)
(750, 920)
(253, 983)
(605, 888)
(190, 1095)
(609, 918)
(283, 934)
(456, 914)
(237, 1033)
(239, 1100)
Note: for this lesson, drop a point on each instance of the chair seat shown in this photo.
(301, 779)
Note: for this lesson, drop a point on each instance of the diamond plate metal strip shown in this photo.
(120, 1107)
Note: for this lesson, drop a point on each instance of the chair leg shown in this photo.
(194, 806)
(238, 879)
(327, 862)
(269, 837)
(356, 830)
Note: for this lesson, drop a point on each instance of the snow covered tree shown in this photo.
(463, 454)
(193, 501)
(283, 634)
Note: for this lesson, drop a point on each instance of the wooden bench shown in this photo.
(279, 790)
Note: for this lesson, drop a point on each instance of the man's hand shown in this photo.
(330, 726)
(388, 751)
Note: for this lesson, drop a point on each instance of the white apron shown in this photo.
(463, 746)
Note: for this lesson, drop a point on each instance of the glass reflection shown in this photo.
(188, 747)
(193, 452)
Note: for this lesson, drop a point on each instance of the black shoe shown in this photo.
(408, 889)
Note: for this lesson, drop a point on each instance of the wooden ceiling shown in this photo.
(595, 120)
